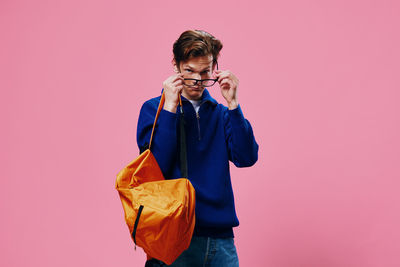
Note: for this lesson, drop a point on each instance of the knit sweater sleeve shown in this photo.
(240, 141)
(164, 144)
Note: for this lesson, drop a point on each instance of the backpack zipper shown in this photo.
(136, 223)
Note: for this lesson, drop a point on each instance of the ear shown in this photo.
(175, 66)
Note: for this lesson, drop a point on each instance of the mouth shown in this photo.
(196, 88)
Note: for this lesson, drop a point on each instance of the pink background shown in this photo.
(319, 81)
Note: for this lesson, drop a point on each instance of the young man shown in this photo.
(215, 135)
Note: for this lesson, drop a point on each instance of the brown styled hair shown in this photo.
(195, 43)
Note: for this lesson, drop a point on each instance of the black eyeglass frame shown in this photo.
(201, 81)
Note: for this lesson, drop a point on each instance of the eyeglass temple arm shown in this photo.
(216, 61)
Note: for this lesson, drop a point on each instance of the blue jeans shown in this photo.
(208, 251)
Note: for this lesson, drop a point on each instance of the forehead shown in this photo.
(200, 63)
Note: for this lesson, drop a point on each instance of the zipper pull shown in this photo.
(198, 124)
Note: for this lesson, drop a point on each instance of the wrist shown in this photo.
(233, 104)
(170, 107)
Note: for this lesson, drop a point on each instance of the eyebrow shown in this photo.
(187, 66)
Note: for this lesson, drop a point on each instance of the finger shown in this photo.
(176, 77)
(223, 80)
(177, 82)
(179, 89)
(218, 73)
(222, 76)
(177, 85)
(226, 84)
(222, 71)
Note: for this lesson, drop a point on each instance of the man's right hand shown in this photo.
(173, 86)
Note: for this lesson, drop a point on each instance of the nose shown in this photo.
(197, 76)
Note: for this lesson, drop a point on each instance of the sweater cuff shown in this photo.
(166, 119)
(236, 116)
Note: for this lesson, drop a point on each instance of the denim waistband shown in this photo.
(216, 232)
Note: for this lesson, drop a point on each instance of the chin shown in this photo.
(195, 94)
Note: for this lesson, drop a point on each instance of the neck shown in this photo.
(190, 98)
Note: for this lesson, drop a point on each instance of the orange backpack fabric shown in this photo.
(160, 213)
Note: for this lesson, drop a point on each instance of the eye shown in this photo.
(188, 70)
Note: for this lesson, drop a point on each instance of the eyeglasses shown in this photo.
(204, 82)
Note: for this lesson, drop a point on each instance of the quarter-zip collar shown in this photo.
(205, 98)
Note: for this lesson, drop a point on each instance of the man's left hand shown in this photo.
(228, 83)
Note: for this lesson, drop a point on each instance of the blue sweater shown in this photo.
(214, 136)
